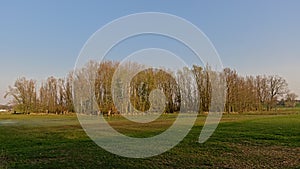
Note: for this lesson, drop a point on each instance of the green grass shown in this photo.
(240, 141)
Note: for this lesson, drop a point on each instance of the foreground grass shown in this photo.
(240, 141)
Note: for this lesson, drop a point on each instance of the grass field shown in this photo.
(252, 140)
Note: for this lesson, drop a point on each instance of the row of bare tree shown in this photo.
(256, 93)
(52, 96)
(187, 89)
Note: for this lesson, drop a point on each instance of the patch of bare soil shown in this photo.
(249, 156)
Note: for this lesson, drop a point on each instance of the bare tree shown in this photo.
(24, 94)
(277, 88)
(290, 100)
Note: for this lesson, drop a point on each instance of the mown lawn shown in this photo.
(240, 141)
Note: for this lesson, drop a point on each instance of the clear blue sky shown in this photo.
(43, 38)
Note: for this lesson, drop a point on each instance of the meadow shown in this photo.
(250, 140)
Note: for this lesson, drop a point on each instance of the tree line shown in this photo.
(52, 96)
(187, 89)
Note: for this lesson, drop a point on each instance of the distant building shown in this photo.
(5, 108)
